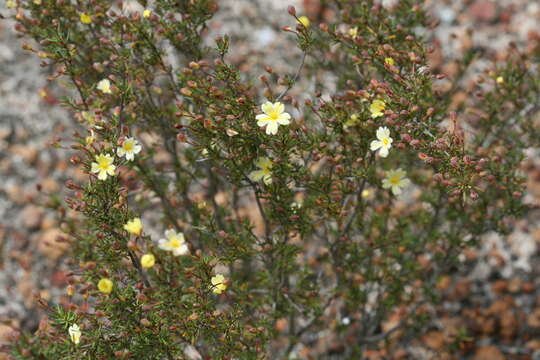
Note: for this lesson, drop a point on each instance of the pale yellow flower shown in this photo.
(146, 13)
(148, 260)
(218, 284)
(353, 32)
(105, 86)
(304, 21)
(174, 243)
(74, 333)
(37, 2)
(274, 115)
(389, 61)
(88, 116)
(396, 180)
(500, 80)
(352, 121)
(11, 4)
(377, 108)
(85, 18)
(103, 166)
(130, 147)
(105, 286)
(383, 142)
(265, 171)
(89, 140)
(134, 226)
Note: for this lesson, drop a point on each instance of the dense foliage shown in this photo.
(282, 216)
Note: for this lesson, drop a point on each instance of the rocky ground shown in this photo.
(495, 296)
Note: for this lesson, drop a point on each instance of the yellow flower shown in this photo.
(146, 13)
(11, 4)
(88, 116)
(274, 115)
(304, 21)
(148, 260)
(265, 171)
(383, 142)
(89, 140)
(389, 61)
(134, 226)
(104, 166)
(377, 108)
(218, 284)
(37, 2)
(353, 120)
(105, 86)
(500, 80)
(74, 333)
(105, 286)
(174, 242)
(353, 32)
(396, 180)
(130, 147)
(85, 18)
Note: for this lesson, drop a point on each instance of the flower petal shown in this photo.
(267, 107)
(375, 145)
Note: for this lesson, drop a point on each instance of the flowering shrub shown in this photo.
(281, 217)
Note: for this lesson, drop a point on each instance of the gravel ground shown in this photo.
(497, 287)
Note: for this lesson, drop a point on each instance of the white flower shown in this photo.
(396, 180)
(274, 115)
(265, 171)
(74, 333)
(130, 147)
(105, 86)
(174, 242)
(384, 142)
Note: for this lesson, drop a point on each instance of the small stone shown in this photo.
(488, 353)
(484, 10)
(50, 246)
(31, 216)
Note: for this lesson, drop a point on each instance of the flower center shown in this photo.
(394, 180)
(104, 164)
(128, 146)
(385, 141)
(175, 243)
(274, 115)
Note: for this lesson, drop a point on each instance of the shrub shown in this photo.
(281, 216)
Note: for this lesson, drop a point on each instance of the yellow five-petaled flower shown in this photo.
(134, 226)
(265, 171)
(85, 18)
(218, 284)
(146, 13)
(389, 61)
(148, 260)
(274, 115)
(74, 333)
(103, 166)
(174, 242)
(304, 21)
(396, 180)
(383, 142)
(377, 108)
(105, 286)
